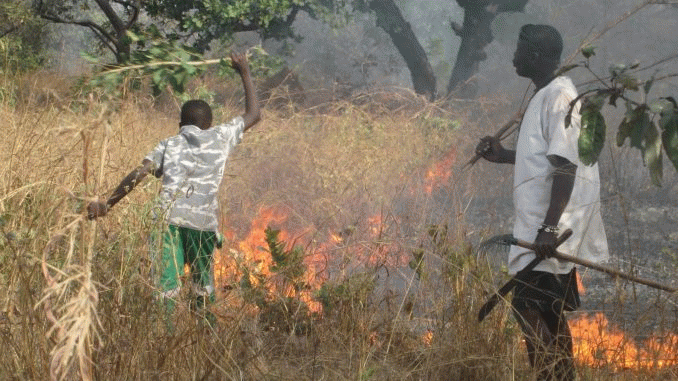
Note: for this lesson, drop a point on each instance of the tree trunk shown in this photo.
(391, 20)
(476, 34)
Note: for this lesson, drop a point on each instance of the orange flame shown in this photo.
(440, 172)
(598, 344)
(580, 284)
(427, 338)
(253, 252)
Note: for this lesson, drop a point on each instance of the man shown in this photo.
(552, 191)
(191, 165)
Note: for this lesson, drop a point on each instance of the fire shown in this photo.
(382, 251)
(440, 172)
(371, 248)
(254, 246)
(580, 284)
(598, 344)
(427, 338)
(253, 253)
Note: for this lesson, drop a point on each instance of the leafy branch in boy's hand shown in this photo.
(166, 63)
(641, 120)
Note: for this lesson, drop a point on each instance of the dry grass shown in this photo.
(77, 303)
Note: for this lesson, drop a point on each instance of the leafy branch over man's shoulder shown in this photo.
(651, 124)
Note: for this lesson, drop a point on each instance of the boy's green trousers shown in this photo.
(181, 246)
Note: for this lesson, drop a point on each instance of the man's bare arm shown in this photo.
(561, 191)
(252, 111)
(100, 208)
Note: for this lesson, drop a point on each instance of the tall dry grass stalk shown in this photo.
(77, 300)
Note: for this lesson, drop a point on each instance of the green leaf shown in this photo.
(592, 135)
(652, 153)
(648, 85)
(133, 36)
(191, 70)
(89, 57)
(659, 106)
(670, 142)
(588, 51)
(617, 69)
(669, 116)
(626, 126)
(595, 101)
(159, 77)
(669, 125)
(629, 82)
(639, 127)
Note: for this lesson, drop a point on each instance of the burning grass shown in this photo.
(347, 253)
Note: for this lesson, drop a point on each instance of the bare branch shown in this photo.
(101, 33)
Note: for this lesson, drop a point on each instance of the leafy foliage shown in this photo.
(169, 64)
(21, 37)
(203, 21)
(164, 62)
(639, 125)
(289, 263)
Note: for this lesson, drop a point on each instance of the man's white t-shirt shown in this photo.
(543, 133)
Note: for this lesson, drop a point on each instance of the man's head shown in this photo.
(538, 51)
(196, 112)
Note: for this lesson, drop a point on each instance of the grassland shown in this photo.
(368, 189)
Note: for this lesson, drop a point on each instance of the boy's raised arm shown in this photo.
(252, 112)
(100, 208)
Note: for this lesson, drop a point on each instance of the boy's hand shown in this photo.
(239, 63)
(96, 209)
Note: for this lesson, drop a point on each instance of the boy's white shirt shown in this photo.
(192, 165)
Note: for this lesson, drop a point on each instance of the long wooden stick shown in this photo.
(607, 270)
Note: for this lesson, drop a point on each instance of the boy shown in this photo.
(191, 165)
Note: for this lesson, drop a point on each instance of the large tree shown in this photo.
(109, 20)
(476, 34)
(391, 20)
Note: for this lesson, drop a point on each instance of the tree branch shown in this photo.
(101, 33)
(135, 11)
(113, 17)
